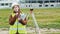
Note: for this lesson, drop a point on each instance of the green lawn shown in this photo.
(46, 18)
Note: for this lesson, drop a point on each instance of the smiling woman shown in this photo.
(18, 24)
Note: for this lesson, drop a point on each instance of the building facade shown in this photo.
(5, 3)
(40, 3)
(31, 3)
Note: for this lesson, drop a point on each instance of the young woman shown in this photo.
(17, 21)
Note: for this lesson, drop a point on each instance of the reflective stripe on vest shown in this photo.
(18, 29)
(21, 28)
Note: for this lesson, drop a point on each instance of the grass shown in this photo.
(46, 18)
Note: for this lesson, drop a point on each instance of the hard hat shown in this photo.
(15, 3)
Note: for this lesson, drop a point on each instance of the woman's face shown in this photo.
(16, 8)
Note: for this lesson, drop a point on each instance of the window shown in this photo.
(46, 5)
(40, 1)
(46, 1)
(52, 1)
(40, 5)
(22, 1)
(2, 4)
(30, 1)
(33, 1)
(26, 5)
(29, 5)
(52, 5)
(6, 4)
(27, 1)
(59, 0)
(56, 0)
(10, 3)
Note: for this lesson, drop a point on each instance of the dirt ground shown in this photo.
(32, 30)
(3, 32)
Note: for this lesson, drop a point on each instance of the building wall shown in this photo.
(40, 4)
(31, 3)
(5, 3)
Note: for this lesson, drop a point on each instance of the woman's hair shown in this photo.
(18, 6)
(15, 5)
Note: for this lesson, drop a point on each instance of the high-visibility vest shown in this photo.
(21, 28)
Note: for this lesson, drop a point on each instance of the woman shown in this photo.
(17, 21)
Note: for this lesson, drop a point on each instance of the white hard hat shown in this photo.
(15, 3)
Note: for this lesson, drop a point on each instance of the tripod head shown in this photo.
(31, 9)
